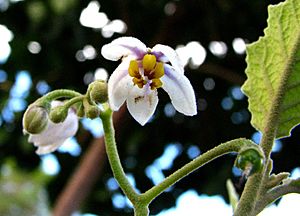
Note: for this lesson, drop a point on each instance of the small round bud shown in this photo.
(92, 112)
(58, 114)
(251, 159)
(35, 119)
(98, 91)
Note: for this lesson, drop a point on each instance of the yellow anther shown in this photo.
(156, 83)
(139, 82)
(158, 71)
(149, 62)
(133, 69)
(153, 71)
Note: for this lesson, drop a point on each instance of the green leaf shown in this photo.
(273, 71)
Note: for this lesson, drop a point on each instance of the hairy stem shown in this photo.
(73, 101)
(274, 194)
(228, 147)
(59, 93)
(113, 156)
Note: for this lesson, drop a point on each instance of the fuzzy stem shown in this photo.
(113, 156)
(274, 194)
(141, 209)
(74, 100)
(224, 148)
(56, 94)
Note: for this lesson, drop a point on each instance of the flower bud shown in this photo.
(92, 112)
(98, 91)
(35, 119)
(58, 114)
(250, 160)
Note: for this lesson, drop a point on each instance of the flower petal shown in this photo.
(119, 84)
(123, 47)
(180, 91)
(167, 54)
(48, 148)
(141, 103)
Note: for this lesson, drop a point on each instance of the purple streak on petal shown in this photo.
(169, 72)
(160, 56)
(138, 52)
(168, 54)
(180, 91)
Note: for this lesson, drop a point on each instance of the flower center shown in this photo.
(150, 72)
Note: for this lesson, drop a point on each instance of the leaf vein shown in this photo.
(286, 107)
(281, 34)
(292, 86)
(295, 12)
(284, 121)
(266, 76)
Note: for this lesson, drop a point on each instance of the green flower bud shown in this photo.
(92, 112)
(250, 160)
(35, 119)
(98, 91)
(58, 114)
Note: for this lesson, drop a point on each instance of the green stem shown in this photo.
(113, 157)
(56, 94)
(274, 194)
(228, 147)
(141, 209)
(74, 100)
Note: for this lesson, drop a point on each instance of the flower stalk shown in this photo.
(141, 201)
(222, 149)
(113, 156)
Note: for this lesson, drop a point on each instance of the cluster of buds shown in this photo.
(49, 122)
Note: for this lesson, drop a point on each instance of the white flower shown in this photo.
(55, 135)
(141, 72)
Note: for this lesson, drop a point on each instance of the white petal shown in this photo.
(168, 54)
(141, 104)
(123, 47)
(48, 148)
(180, 91)
(119, 84)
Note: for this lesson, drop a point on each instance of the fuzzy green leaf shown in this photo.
(273, 70)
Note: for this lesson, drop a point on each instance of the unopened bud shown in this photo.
(58, 114)
(98, 91)
(250, 160)
(35, 119)
(92, 112)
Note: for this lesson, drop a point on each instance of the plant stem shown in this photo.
(72, 101)
(59, 93)
(231, 146)
(113, 156)
(275, 194)
(141, 209)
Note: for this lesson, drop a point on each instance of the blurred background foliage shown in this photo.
(51, 44)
